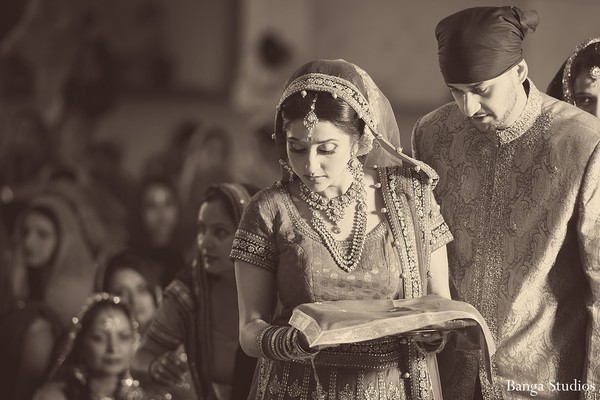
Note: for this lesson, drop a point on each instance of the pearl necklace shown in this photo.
(350, 259)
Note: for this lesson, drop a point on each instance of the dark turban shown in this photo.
(481, 43)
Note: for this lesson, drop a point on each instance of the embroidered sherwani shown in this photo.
(523, 205)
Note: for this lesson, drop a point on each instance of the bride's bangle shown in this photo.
(282, 343)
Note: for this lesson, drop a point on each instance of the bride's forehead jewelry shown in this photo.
(111, 323)
(595, 74)
(311, 119)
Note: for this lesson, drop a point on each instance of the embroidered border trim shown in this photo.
(336, 86)
(254, 249)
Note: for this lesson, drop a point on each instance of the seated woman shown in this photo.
(51, 274)
(134, 278)
(578, 80)
(352, 219)
(199, 309)
(94, 363)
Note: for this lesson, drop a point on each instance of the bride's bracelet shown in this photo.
(282, 343)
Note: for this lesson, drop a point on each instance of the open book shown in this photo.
(349, 321)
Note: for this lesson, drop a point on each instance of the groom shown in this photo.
(519, 188)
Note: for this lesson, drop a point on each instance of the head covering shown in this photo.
(481, 43)
(129, 259)
(353, 85)
(561, 86)
(68, 366)
(198, 338)
(237, 196)
(72, 271)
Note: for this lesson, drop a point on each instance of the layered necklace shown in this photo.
(335, 209)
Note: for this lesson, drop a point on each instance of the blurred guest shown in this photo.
(104, 216)
(208, 160)
(578, 80)
(25, 150)
(51, 273)
(155, 233)
(200, 309)
(134, 279)
(94, 362)
(28, 333)
(52, 262)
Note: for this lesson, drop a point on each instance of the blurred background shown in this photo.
(115, 116)
(131, 76)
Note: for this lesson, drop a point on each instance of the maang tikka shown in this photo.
(311, 119)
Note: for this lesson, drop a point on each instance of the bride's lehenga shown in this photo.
(394, 262)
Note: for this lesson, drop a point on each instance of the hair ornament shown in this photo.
(303, 93)
(595, 74)
(311, 120)
(365, 142)
(77, 325)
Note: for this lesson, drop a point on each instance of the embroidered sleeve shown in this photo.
(589, 240)
(440, 232)
(254, 241)
(167, 329)
(429, 210)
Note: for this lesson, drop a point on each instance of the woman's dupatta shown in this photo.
(198, 339)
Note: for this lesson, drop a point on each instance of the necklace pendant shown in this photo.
(336, 229)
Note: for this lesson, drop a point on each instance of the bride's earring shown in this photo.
(288, 168)
(354, 166)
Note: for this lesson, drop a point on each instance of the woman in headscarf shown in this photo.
(94, 361)
(156, 227)
(578, 80)
(134, 278)
(198, 321)
(51, 274)
(352, 219)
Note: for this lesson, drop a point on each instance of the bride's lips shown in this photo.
(313, 178)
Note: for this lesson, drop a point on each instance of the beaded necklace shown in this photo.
(347, 261)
